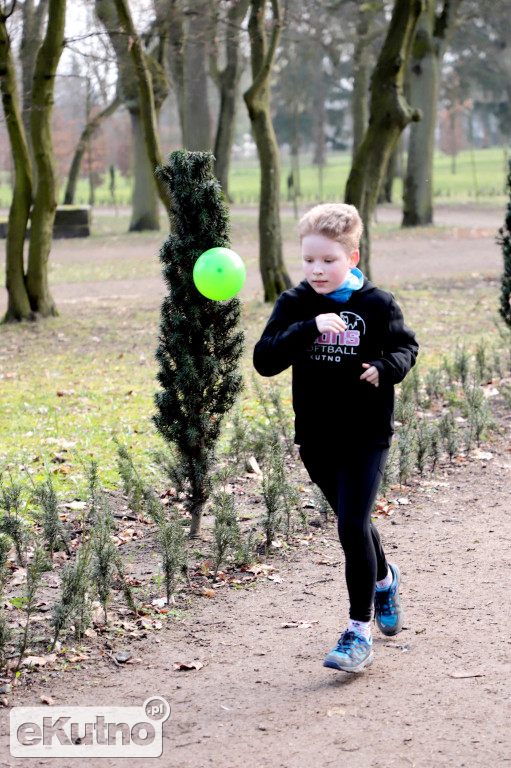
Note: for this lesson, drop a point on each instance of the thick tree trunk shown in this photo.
(45, 203)
(18, 307)
(257, 98)
(361, 72)
(424, 77)
(145, 213)
(146, 97)
(389, 115)
(197, 117)
(227, 82)
(87, 133)
(176, 61)
(33, 18)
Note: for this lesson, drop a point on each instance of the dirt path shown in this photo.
(437, 695)
(468, 246)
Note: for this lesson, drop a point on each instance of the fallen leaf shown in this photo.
(298, 624)
(77, 505)
(179, 665)
(254, 466)
(38, 661)
(19, 577)
(403, 501)
(208, 592)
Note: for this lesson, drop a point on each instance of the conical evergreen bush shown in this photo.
(504, 240)
(199, 344)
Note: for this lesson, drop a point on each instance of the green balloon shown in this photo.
(219, 274)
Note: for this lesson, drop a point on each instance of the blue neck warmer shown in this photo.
(353, 282)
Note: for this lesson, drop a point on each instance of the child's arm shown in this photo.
(283, 338)
(399, 349)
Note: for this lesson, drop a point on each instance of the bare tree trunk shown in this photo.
(257, 99)
(361, 71)
(18, 307)
(176, 61)
(146, 96)
(389, 115)
(197, 117)
(45, 202)
(227, 82)
(87, 133)
(424, 78)
(146, 213)
(33, 18)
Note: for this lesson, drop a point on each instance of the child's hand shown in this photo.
(330, 322)
(371, 374)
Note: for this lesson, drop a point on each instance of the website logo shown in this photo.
(100, 731)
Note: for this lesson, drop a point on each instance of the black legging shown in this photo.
(350, 477)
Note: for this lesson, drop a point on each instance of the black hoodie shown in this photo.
(331, 403)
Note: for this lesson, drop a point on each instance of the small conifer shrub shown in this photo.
(52, 528)
(35, 569)
(200, 344)
(12, 521)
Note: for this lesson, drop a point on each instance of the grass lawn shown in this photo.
(480, 175)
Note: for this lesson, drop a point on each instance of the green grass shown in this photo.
(479, 176)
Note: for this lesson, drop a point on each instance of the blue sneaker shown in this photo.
(387, 607)
(352, 653)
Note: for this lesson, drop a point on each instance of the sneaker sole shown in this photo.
(332, 663)
(391, 631)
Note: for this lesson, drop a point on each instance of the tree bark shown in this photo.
(389, 115)
(18, 307)
(145, 214)
(176, 61)
(197, 117)
(227, 82)
(257, 98)
(33, 18)
(146, 96)
(87, 133)
(428, 51)
(45, 202)
(361, 71)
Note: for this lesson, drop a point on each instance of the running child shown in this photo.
(348, 346)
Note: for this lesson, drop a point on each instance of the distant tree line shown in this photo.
(312, 75)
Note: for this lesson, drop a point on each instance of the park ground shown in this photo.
(439, 693)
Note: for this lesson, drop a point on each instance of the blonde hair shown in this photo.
(338, 221)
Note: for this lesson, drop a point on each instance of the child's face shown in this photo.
(326, 263)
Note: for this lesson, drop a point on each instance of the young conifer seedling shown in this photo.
(226, 531)
(35, 569)
(12, 522)
(131, 480)
(272, 494)
(504, 240)
(74, 602)
(5, 546)
(105, 556)
(53, 530)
